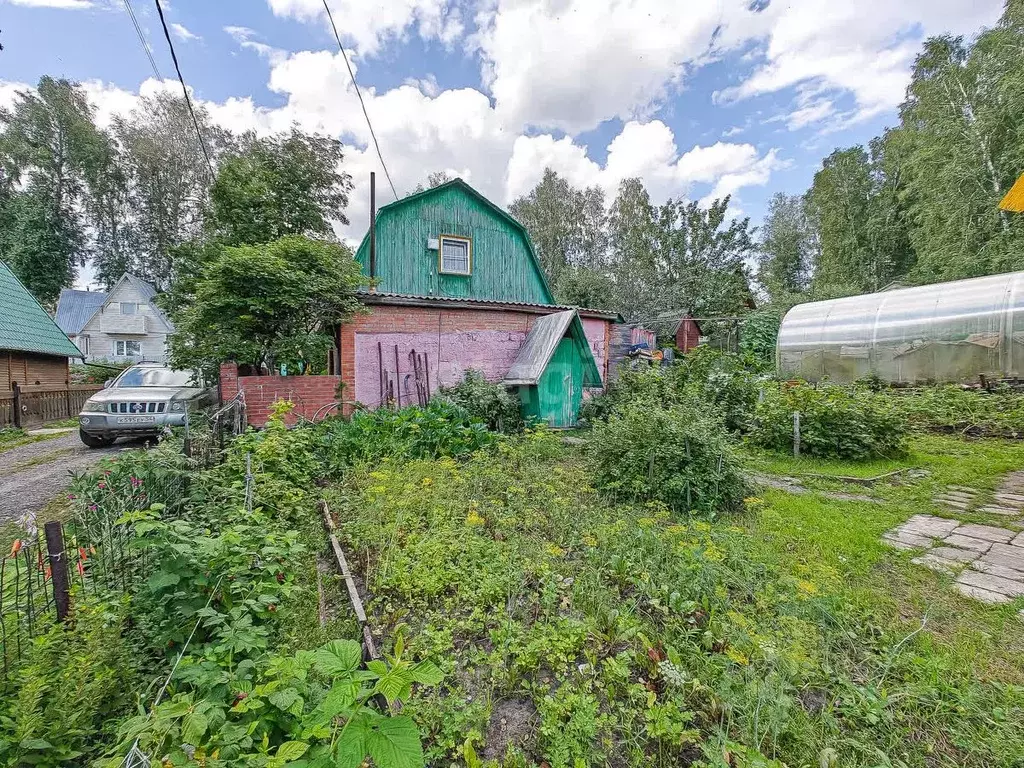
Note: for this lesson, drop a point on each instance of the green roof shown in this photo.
(24, 325)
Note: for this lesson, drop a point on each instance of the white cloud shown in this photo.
(369, 25)
(244, 37)
(73, 5)
(736, 130)
(644, 150)
(183, 33)
(571, 64)
(9, 93)
(866, 49)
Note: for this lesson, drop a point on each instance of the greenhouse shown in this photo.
(948, 332)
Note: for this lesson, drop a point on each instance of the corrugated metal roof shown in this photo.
(24, 325)
(75, 308)
(383, 297)
(1014, 200)
(540, 344)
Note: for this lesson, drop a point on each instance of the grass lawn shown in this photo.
(576, 632)
(837, 545)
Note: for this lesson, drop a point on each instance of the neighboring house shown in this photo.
(459, 286)
(33, 350)
(124, 324)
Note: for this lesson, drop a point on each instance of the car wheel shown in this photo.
(95, 441)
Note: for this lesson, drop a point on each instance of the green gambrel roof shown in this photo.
(24, 325)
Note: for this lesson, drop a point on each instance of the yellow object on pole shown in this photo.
(1014, 200)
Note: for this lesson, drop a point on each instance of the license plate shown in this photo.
(136, 419)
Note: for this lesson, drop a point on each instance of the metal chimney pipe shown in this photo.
(373, 226)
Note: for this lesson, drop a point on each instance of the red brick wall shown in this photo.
(426, 325)
(309, 393)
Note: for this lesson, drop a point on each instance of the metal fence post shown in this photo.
(58, 568)
(796, 433)
(17, 405)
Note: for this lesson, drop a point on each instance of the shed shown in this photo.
(33, 350)
(552, 369)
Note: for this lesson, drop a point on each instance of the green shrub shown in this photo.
(706, 378)
(681, 456)
(491, 403)
(63, 699)
(439, 429)
(835, 422)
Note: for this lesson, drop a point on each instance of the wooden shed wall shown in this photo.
(502, 267)
(30, 368)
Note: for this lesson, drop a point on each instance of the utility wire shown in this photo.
(184, 89)
(142, 39)
(355, 85)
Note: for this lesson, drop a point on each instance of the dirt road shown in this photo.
(33, 475)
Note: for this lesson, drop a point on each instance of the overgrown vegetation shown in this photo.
(575, 630)
(835, 422)
(490, 403)
(722, 383)
(678, 455)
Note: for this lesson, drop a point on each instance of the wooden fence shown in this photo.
(31, 406)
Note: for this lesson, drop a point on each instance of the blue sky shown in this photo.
(697, 98)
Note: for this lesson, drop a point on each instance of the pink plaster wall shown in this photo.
(595, 330)
(491, 352)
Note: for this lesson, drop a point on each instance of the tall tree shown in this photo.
(168, 182)
(566, 224)
(632, 240)
(787, 248)
(701, 255)
(961, 131)
(289, 184)
(48, 144)
(855, 205)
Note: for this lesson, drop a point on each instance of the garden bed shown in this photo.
(573, 631)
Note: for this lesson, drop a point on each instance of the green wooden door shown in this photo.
(560, 389)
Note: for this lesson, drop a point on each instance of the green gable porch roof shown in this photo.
(24, 324)
(540, 345)
(505, 266)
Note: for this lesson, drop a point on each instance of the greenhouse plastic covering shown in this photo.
(948, 332)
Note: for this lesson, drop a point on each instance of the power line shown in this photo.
(355, 85)
(142, 39)
(184, 89)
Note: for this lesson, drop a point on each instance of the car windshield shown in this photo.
(153, 377)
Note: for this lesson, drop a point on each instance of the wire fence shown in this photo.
(44, 569)
(40, 572)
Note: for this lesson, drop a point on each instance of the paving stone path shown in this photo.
(987, 560)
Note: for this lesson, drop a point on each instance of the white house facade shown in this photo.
(124, 325)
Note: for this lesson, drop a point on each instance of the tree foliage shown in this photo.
(290, 184)
(266, 304)
(49, 152)
(566, 224)
(787, 248)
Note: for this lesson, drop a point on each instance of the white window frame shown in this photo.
(121, 348)
(133, 304)
(468, 242)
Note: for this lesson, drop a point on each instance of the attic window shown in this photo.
(456, 255)
(129, 308)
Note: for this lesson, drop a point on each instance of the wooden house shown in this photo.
(457, 286)
(33, 350)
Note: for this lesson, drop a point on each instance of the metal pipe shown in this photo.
(373, 226)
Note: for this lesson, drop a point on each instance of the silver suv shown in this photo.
(140, 402)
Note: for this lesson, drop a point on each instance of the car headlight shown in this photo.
(94, 406)
(176, 407)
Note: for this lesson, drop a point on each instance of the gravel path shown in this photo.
(33, 475)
